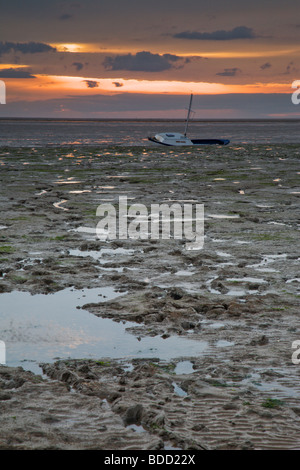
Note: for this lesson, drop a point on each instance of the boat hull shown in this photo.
(194, 142)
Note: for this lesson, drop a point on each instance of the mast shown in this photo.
(188, 115)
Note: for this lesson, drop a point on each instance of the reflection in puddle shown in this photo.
(223, 343)
(247, 279)
(223, 254)
(134, 427)
(42, 328)
(98, 255)
(184, 273)
(41, 192)
(57, 205)
(267, 259)
(223, 216)
(282, 391)
(215, 325)
(84, 230)
(80, 191)
(184, 367)
(178, 390)
(66, 182)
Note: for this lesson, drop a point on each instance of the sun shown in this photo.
(68, 47)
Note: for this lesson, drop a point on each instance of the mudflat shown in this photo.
(238, 296)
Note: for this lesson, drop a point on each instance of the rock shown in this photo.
(159, 420)
(217, 285)
(133, 415)
(234, 309)
(261, 341)
(186, 325)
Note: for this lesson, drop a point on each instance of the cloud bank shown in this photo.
(141, 62)
(240, 32)
(15, 73)
(25, 48)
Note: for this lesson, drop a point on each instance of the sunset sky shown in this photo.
(142, 59)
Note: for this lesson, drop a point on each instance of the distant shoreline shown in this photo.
(41, 119)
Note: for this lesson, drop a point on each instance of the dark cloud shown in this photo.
(25, 48)
(141, 62)
(118, 84)
(15, 73)
(240, 32)
(290, 68)
(267, 65)
(78, 65)
(91, 83)
(230, 72)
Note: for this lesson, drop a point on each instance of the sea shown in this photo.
(49, 132)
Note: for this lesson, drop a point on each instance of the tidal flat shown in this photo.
(140, 343)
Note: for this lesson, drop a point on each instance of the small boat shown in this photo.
(175, 138)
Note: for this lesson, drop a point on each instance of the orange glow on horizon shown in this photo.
(54, 86)
(239, 52)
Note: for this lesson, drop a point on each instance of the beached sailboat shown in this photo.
(175, 138)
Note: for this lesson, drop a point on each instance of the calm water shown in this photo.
(41, 328)
(35, 133)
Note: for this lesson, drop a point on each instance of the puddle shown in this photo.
(170, 446)
(223, 254)
(235, 292)
(215, 325)
(296, 279)
(80, 191)
(2, 227)
(42, 328)
(178, 390)
(276, 223)
(41, 192)
(223, 343)
(223, 216)
(282, 391)
(104, 255)
(84, 230)
(134, 427)
(184, 273)
(247, 279)
(68, 181)
(184, 367)
(267, 259)
(57, 205)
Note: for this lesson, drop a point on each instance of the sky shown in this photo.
(142, 59)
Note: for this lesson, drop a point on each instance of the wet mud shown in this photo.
(237, 297)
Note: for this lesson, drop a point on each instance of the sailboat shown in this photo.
(175, 138)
